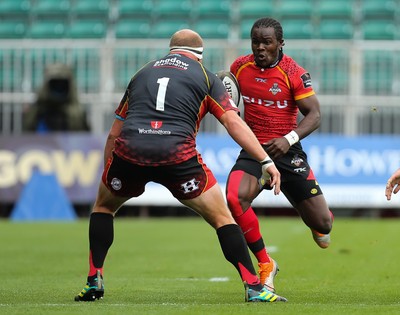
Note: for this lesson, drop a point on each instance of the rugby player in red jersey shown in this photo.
(274, 89)
(153, 138)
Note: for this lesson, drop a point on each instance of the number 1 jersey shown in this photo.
(162, 108)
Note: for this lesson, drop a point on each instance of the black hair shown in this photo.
(269, 22)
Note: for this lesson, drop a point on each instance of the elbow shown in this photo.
(315, 119)
(318, 121)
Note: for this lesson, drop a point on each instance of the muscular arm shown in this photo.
(242, 134)
(310, 109)
(112, 135)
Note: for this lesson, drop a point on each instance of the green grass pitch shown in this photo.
(175, 266)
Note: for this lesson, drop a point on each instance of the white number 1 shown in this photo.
(162, 90)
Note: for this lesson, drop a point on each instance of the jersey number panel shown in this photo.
(162, 91)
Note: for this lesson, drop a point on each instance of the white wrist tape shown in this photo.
(265, 177)
(267, 161)
(292, 137)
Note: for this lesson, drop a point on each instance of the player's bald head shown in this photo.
(186, 38)
(188, 42)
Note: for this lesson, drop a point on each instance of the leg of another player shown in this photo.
(212, 207)
(242, 188)
(101, 236)
(101, 226)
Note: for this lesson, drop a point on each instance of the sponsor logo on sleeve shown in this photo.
(306, 78)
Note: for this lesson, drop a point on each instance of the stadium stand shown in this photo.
(335, 8)
(164, 28)
(212, 28)
(379, 29)
(208, 8)
(355, 23)
(251, 9)
(335, 71)
(379, 73)
(91, 7)
(379, 9)
(43, 28)
(180, 9)
(85, 61)
(14, 8)
(297, 28)
(244, 27)
(87, 29)
(132, 28)
(13, 28)
(135, 8)
(336, 29)
(50, 8)
(296, 8)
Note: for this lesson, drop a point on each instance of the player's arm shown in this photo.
(112, 135)
(242, 134)
(393, 185)
(310, 109)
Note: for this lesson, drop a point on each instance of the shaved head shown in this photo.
(186, 38)
(188, 42)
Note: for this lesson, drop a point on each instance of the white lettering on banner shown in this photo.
(34, 160)
(69, 167)
(350, 162)
(77, 167)
(7, 169)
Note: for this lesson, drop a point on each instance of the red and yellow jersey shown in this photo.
(270, 95)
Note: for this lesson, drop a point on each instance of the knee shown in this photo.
(325, 225)
(326, 228)
(234, 205)
(237, 205)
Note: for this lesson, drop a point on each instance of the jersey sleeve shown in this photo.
(120, 112)
(218, 99)
(238, 63)
(302, 84)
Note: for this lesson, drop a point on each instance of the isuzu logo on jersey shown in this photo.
(156, 124)
(267, 103)
(275, 89)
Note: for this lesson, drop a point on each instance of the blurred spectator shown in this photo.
(57, 107)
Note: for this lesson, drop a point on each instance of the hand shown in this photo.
(271, 177)
(277, 147)
(393, 185)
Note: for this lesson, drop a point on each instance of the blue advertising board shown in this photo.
(352, 171)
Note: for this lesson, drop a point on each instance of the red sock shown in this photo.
(250, 226)
(92, 268)
(247, 220)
